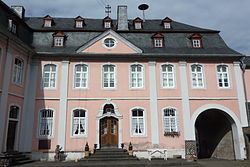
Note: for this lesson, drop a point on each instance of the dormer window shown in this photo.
(196, 41)
(58, 39)
(158, 40)
(166, 23)
(48, 21)
(79, 22)
(12, 26)
(107, 22)
(138, 23)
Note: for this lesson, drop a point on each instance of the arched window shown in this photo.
(167, 71)
(136, 76)
(46, 123)
(197, 76)
(138, 122)
(81, 76)
(109, 76)
(14, 112)
(18, 71)
(79, 122)
(170, 120)
(49, 76)
(223, 76)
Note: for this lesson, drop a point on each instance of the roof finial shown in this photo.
(108, 10)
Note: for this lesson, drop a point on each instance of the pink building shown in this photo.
(169, 88)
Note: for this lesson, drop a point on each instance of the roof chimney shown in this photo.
(20, 11)
(122, 18)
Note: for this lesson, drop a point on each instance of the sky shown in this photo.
(230, 17)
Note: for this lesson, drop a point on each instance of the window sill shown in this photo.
(172, 134)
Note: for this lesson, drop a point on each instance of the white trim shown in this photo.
(49, 88)
(115, 35)
(47, 98)
(143, 77)
(87, 84)
(115, 76)
(153, 103)
(203, 76)
(39, 122)
(116, 115)
(16, 94)
(144, 122)
(61, 140)
(229, 76)
(176, 118)
(174, 77)
(238, 138)
(213, 98)
(111, 37)
(240, 94)
(185, 100)
(86, 123)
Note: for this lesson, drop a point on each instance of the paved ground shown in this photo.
(223, 163)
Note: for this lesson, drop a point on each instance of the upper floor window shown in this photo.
(138, 23)
(81, 76)
(136, 76)
(79, 22)
(197, 76)
(79, 122)
(196, 41)
(108, 76)
(138, 122)
(167, 76)
(48, 21)
(14, 112)
(58, 39)
(12, 26)
(223, 76)
(107, 22)
(46, 120)
(18, 71)
(166, 23)
(109, 43)
(49, 76)
(158, 39)
(170, 120)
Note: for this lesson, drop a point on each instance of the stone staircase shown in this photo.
(17, 158)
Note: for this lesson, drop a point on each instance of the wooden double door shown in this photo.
(109, 132)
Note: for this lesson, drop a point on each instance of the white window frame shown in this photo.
(114, 73)
(136, 72)
(79, 24)
(47, 23)
(167, 25)
(197, 76)
(58, 41)
(18, 72)
(138, 25)
(196, 43)
(12, 26)
(169, 117)
(50, 73)
(72, 124)
(40, 122)
(158, 42)
(162, 78)
(104, 45)
(221, 73)
(107, 24)
(144, 134)
(81, 75)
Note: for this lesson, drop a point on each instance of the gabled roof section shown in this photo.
(157, 35)
(78, 18)
(103, 35)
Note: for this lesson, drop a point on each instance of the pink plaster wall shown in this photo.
(98, 47)
(2, 62)
(247, 81)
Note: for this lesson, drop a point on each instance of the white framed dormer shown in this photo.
(138, 122)
(109, 76)
(18, 71)
(170, 121)
(223, 76)
(46, 123)
(12, 26)
(168, 76)
(109, 42)
(79, 123)
(138, 23)
(81, 76)
(197, 76)
(49, 76)
(136, 76)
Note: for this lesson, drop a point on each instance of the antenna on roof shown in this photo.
(108, 10)
(143, 7)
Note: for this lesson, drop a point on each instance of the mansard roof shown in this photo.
(247, 61)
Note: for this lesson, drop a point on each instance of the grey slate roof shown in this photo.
(247, 61)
